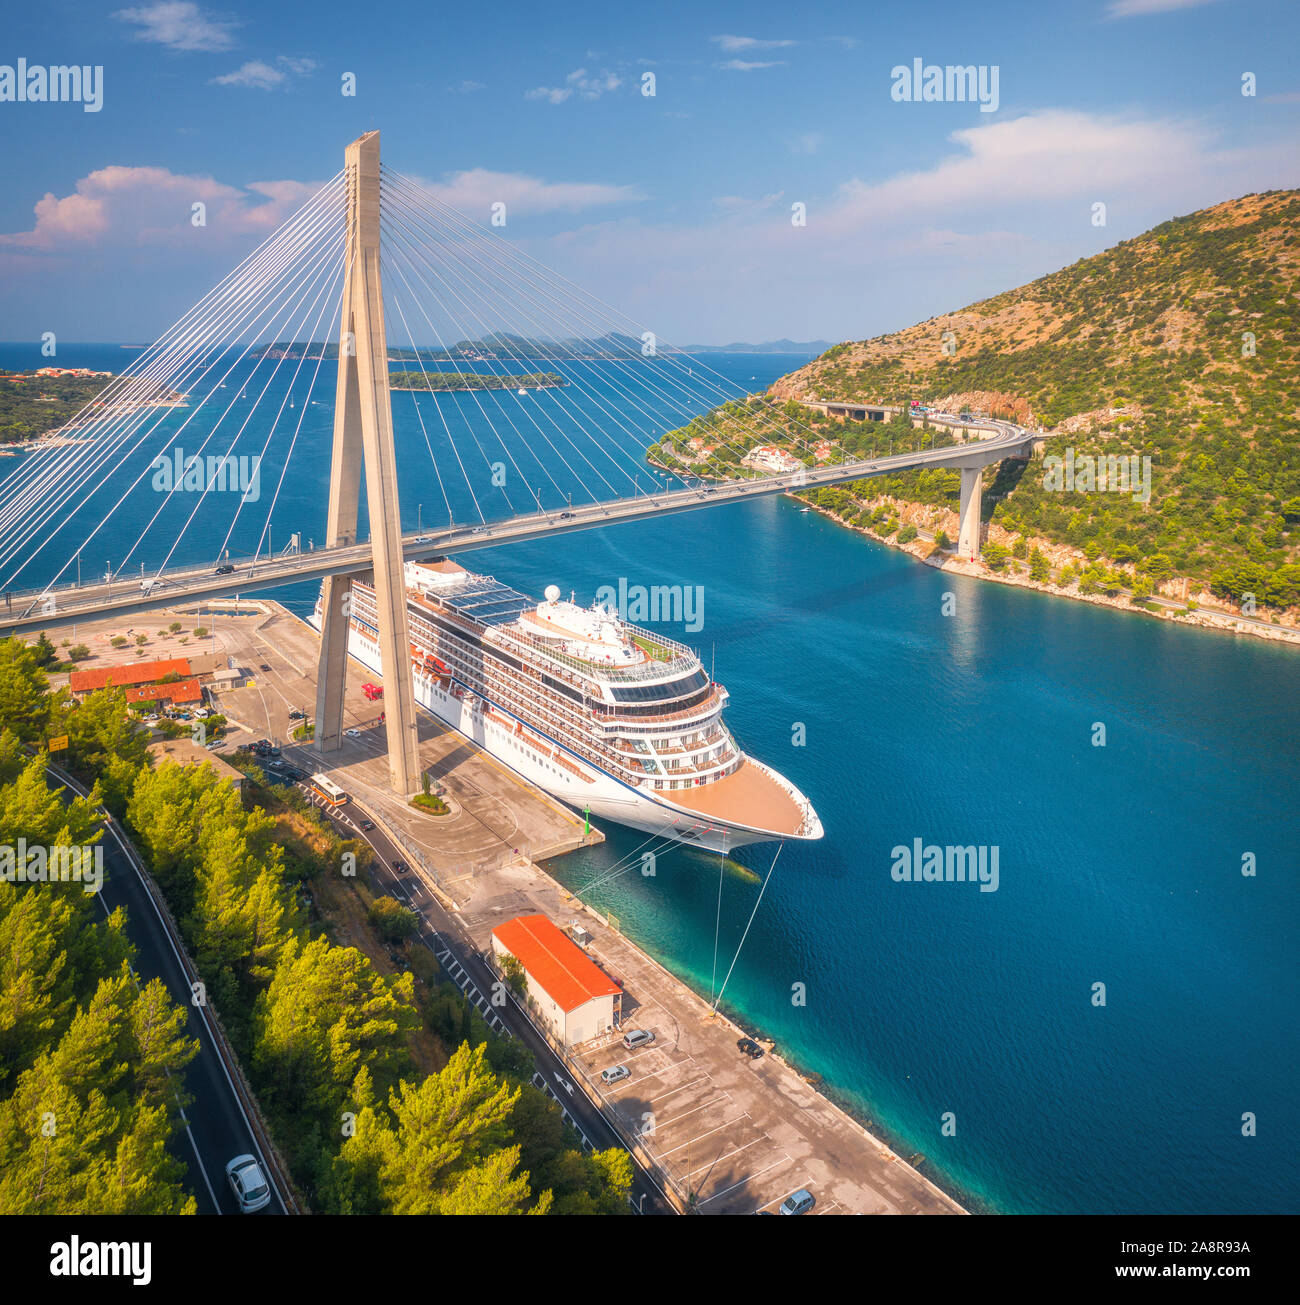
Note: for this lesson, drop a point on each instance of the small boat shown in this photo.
(522, 392)
(803, 510)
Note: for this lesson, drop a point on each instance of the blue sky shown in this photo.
(675, 208)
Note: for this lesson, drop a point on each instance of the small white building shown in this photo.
(571, 994)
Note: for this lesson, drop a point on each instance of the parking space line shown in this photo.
(717, 1160)
(679, 1088)
(706, 1133)
(695, 1110)
(749, 1178)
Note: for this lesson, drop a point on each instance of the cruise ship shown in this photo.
(605, 716)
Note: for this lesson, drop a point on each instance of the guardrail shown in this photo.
(277, 1170)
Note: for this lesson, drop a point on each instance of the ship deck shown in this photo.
(748, 796)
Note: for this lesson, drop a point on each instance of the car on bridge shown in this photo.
(224, 569)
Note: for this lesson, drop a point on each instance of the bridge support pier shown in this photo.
(972, 495)
(363, 435)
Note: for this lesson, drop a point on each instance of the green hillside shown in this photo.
(1182, 344)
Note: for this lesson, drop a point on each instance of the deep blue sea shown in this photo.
(1119, 865)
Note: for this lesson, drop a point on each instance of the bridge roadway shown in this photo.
(32, 610)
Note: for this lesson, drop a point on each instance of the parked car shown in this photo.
(615, 1074)
(273, 751)
(750, 1048)
(635, 1038)
(799, 1202)
(248, 1183)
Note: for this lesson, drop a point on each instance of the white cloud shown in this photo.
(253, 73)
(1135, 8)
(468, 87)
(587, 85)
(1001, 204)
(265, 76)
(737, 44)
(179, 25)
(551, 94)
(133, 206)
(749, 65)
(475, 191)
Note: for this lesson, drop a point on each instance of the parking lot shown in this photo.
(698, 1130)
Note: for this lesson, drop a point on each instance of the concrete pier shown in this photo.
(972, 494)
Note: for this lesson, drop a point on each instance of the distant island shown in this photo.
(443, 382)
(768, 346)
(502, 347)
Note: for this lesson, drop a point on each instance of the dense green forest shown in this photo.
(1182, 344)
(471, 381)
(325, 1038)
(36, 404)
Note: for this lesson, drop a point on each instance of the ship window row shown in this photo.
(659, 693)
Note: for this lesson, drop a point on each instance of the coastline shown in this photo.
(835, 1100)
(1219, 620)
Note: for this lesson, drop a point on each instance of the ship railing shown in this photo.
(712, 703)
(806, 812)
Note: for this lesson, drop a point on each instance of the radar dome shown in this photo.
(552, 593)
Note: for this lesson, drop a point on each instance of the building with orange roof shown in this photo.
(573, 996)
(126, 675)
(174, 691)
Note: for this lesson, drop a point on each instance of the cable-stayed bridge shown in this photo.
(376, 318)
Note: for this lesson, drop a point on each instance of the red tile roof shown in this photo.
(554, 961)
(175, 691)
(128, 673)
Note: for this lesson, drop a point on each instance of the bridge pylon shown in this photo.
(363, 437)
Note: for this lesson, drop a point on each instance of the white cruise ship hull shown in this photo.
(556, 770)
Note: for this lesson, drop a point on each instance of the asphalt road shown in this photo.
(215, 1126)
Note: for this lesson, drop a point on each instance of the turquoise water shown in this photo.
(1118, 865)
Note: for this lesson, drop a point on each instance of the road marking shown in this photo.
(749, 1178)
(697, 1137)
(717, 1160)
